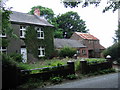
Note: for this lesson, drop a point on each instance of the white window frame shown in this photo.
(84, 52)
(23, 29)
(3, 35)
(3, 50)
(42, 52)
(40, 31)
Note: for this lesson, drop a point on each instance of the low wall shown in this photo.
(86, 68)
(48, 72)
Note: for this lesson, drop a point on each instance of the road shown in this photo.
(103, 81)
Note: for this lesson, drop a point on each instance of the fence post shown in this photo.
(109, 59)
(72, 67)
(83, 67)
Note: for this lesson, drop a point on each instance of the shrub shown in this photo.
(31, 83)
(71, 76)
(10, 72)
(113, 51)
(56, 80)
(95, 60)
(67, 52)
(77, 65)
(16, 57)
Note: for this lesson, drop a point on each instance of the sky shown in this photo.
(101, 25)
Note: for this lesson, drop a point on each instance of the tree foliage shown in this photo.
(112, 4)
(46, 12)
(67, 52)
(114, 50)
(117, 32)
(70, 22)
(5, 23)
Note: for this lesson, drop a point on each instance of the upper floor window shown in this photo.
(3, 50)
(41, 51)
(40, 33)
(22, 31)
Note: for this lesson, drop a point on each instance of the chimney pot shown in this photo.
(37, 12)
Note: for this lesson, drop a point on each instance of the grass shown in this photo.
(56, 62)
(42, 63)
(95, 60)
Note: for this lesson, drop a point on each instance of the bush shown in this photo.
(71, 76)
(10, 72)
(67, 52)
(113, 51)
(95, 60)
(17, 57)
(56, 80)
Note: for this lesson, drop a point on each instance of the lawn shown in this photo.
(55, 62)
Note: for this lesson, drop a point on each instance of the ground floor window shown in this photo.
(84, 52)
(41, 51)
(3, 50)
(24, 54)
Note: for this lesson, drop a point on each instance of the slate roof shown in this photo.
(60, 43)
(18, 17)
(86, 36)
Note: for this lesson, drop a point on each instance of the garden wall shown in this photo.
(89, 68)
(46, 73)
(63, 70)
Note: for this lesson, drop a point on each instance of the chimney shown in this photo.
(37, 12)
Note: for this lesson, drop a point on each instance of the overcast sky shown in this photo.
(101, 25)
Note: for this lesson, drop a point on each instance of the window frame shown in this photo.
(22, 30)
(40, 32)
(84, 52)
(41, 51)
(3, 50)
(3, 34)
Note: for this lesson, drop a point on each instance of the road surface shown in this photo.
(103, 81)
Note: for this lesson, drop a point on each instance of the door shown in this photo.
(24, 55)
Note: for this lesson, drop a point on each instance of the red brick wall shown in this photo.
(83, 52)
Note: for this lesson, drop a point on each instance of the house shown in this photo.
(82, 50)
(94, 47)
(35, 36)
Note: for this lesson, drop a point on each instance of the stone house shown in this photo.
(39, 41)
(94, 47)
(82, 50)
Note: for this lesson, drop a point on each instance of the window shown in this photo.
(84, 52)
(22, 31)
(3, 50)
(3, 34)
(78, 51)
(90, 41)
(41, 52)
(40, 33)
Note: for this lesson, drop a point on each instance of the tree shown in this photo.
(46, 12)
(70, 22)
(114, 50)
(117, 32)
(112, 4)
(5, 23)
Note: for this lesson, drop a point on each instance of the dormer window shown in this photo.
(40, 33)
(22, 31)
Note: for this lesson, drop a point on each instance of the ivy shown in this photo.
(5, 42)
(33, 43)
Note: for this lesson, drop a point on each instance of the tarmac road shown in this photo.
(103, 81)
